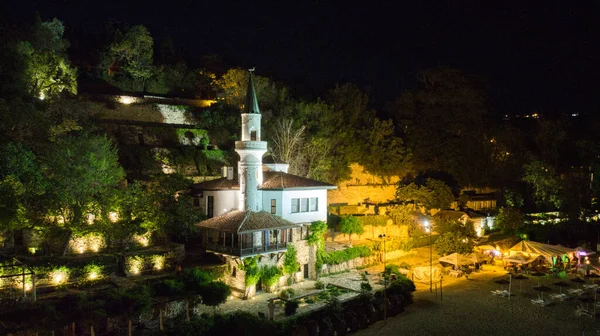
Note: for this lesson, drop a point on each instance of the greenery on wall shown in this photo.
(340, 256)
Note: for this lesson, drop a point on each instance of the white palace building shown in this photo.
(262, 209)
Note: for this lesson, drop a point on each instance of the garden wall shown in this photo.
(371, 232)
(350, 264)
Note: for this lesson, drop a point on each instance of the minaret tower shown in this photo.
(250, 150)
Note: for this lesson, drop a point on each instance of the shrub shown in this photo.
(168, 287)
(290, 261)
(404, 287)
(214, 293)
(291, 307)
(319, 285)
(338, 257)
(365, 287)
(270, 275)
(93, 272)
(287, 294)
(351, 225)
(252, 270)
(194, 278)
(392, 269)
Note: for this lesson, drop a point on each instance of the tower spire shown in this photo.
(251, 100)
(251, 149)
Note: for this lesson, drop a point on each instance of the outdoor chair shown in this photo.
(583, 312)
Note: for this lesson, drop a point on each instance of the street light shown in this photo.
(382, 236)
(428, 230)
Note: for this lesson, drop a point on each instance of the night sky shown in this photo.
(533, 56)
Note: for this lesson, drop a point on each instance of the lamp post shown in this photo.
(382, 236)
(428, 230)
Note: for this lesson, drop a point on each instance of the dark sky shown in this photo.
(535, 56)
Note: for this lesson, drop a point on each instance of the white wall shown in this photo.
(267, 196)
(225, 201)
(304, 217)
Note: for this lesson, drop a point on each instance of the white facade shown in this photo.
(223, 201)
(223, 198)
(304, 216)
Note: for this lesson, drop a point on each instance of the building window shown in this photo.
(305, 204)
(210, 205)
(252, 135)
(273, 206)
(295, 205)
(314, 204)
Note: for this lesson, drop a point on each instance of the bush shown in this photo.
(287, 293)
(215, 293)
(404, 287)
(291, 307)
(365, 287)
(391, 269)
(338, 257)
(319, 285)
(270, 275)
(194, 278)
(168, 287)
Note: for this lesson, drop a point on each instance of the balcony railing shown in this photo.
(246, 251)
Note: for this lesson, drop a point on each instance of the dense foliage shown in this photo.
(340, 256)
(351, 225)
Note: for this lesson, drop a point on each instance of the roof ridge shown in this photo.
(246, 215)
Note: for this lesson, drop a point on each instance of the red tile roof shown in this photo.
(271, 181)
(245, 221)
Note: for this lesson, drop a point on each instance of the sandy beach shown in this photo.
(469, 308)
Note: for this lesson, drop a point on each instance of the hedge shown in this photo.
(338, 257)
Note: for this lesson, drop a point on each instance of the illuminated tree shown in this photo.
(384, 153)
(510, 220)
(351, 225)
(290, 262)
(431, 196)
(546, 185)
(81, 171)
(286, 141)
(21, 185)
(47, 69)
(128, 60)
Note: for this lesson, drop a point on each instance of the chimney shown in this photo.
(230, 173)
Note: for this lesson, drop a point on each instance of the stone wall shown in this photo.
(350, 264)
(370, 232)
(236, 278)
(361, 186)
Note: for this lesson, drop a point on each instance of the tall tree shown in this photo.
(431, 196)
(286, 139)
(443, 124)
(547, 187)
(127, 62)
(47, 69)
(82, 169)
(384, 153)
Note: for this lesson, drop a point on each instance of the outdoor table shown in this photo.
(594, 286)
(575, 291)
(456, 274)
(560, 297)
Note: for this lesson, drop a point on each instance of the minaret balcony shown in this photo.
(257, 145)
